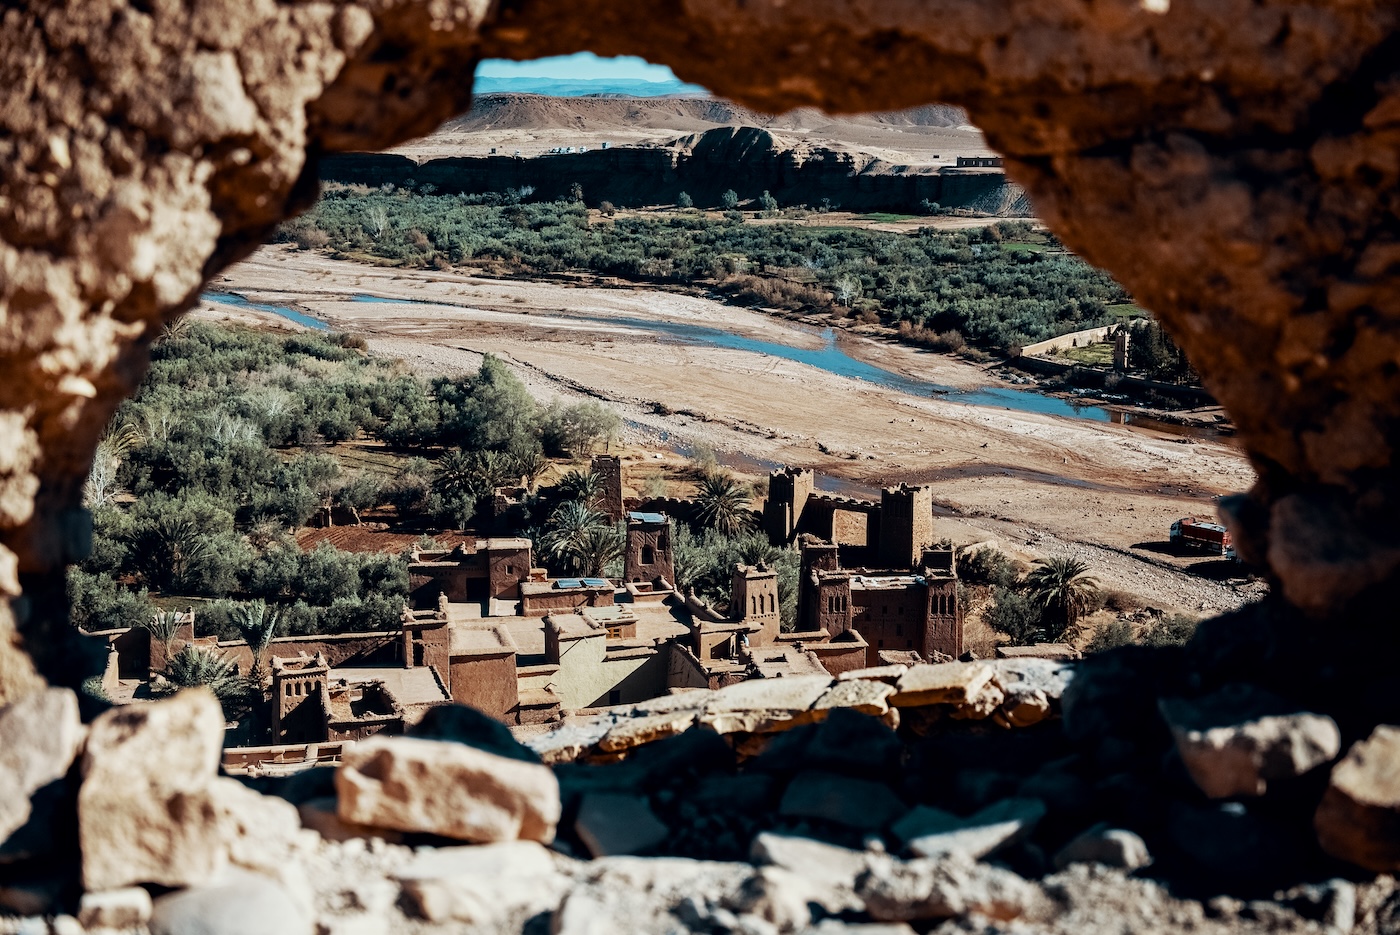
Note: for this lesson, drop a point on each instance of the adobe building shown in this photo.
(479, 570)
(609, 471)
(891, 610)
(601, 661)
(889, 534)
(788, 492)
(300, 699)
(649, 558)
(906, 525)
(754, 603)
(542, 595)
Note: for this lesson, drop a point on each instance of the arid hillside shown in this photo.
(534, 123)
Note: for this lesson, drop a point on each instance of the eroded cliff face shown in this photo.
(1233, 163)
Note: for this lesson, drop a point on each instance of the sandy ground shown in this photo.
(1038, 484)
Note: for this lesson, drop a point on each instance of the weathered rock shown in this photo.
(932, 832)
(866, 696)
(1112, 847)
(39, 738)
(777, 896)
(612, 824)
(320, 815)
(854, 803)
(258, 831)
(126, 908)
(935, 889)
(1238, 740)
(493, 887)
(633, 894)
(235, 904)
(1026, 708)
(635, 731)
(1358, 819)
(832, 871)
(146, 809)
(765, 705)
(889, 674)
(951, 683)
(846, 741)
(450, 789)
(569, 741)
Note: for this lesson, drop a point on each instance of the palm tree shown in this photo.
(193, 667)
(722, 504)
(595, 548)
(583, 486)
(257, 623)
(1064, 589)
(531, 467)
(164, 626)
(567, 529)
(170, 552)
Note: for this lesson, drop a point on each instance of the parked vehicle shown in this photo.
(1202, 535)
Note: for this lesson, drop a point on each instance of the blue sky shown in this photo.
(583, 65)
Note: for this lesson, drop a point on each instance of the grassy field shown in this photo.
(885, 217)
(1093, 355)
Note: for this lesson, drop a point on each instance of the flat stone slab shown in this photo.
(635, 731)
(235, 904)
(861, 804)
(1236, 741)
(941, 889)
(493, 886)
(569, 741)
(952, 683)
(765, 705)
(932, 832)
(612, 824)
(1358, 819)
(615, 895)
(1101, 844)
(445, 788)
(867, 697)
(889, 673)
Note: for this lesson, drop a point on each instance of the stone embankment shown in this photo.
(1018, 795)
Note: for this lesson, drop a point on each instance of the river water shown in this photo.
(828, 356)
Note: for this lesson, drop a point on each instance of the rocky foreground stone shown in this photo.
(814, 814)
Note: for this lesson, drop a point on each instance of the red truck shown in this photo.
(1204, 535)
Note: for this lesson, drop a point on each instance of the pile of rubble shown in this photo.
(1020, 795)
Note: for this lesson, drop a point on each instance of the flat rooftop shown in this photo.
(481, 639)
(572, 626)
(877, 582)
(416, 686)
(555, 585)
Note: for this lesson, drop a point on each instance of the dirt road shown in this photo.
(1067, 484)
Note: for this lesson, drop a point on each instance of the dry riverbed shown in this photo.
(1038, 483)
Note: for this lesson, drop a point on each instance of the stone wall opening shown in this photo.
(1252, 149)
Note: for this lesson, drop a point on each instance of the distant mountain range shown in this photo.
(584, 87)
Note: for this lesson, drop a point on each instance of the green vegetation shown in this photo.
(705, 561)
(1045, 603)
(989, 287)
(238, 438)
(1092, 355)
(1153, 352)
